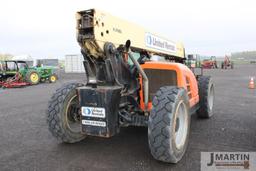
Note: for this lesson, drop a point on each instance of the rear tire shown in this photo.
(32, 77)
(206, 97)
(232, 65)
(63, 110)
(215, 65)
(169, 124)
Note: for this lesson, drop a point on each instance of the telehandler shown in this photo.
(134, 78)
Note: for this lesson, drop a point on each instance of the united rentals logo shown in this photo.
(96, 112)
(229, 161)
(155, 42)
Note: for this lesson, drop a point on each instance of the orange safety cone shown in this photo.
(251, 83)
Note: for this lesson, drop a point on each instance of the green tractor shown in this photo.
(193, 61)
(31, 75)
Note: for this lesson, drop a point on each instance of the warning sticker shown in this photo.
(94, 123)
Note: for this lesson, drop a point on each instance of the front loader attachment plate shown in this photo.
(99, 109)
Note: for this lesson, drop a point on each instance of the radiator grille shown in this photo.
(159, 78)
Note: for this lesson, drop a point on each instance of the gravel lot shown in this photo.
(26, 144)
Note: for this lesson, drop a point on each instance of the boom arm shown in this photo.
(95, 28)
(102, 38)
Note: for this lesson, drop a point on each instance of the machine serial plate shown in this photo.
(95, 112)
(94, 123)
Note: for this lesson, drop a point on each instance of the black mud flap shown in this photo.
(99, 107)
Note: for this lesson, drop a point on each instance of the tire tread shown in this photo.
(53, 113)
(159, 120)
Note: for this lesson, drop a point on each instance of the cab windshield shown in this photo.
(22, 65)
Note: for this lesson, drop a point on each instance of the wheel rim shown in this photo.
(72, 114)
(181, 125)
(53, 79)
(211, 97)
(34, 77)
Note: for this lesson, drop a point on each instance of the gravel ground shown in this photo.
(26, 144)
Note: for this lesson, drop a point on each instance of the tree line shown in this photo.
(5, 56)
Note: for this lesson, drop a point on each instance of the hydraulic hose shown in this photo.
(144, 78)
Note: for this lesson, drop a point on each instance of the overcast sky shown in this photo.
(46, 28)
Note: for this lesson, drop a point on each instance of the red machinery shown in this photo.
(210, 63)
(227, 63)
(15, 81)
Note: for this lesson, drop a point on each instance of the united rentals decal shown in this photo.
(228, 161)
(158, 43)
(95, 112)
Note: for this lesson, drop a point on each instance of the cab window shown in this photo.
(22, 65)
(11, 66)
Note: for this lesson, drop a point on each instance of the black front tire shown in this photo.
(60, 115)
(42, 80)
(53, 78)
(206, 97)
(163, 124)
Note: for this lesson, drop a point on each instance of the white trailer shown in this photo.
(74, 64)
